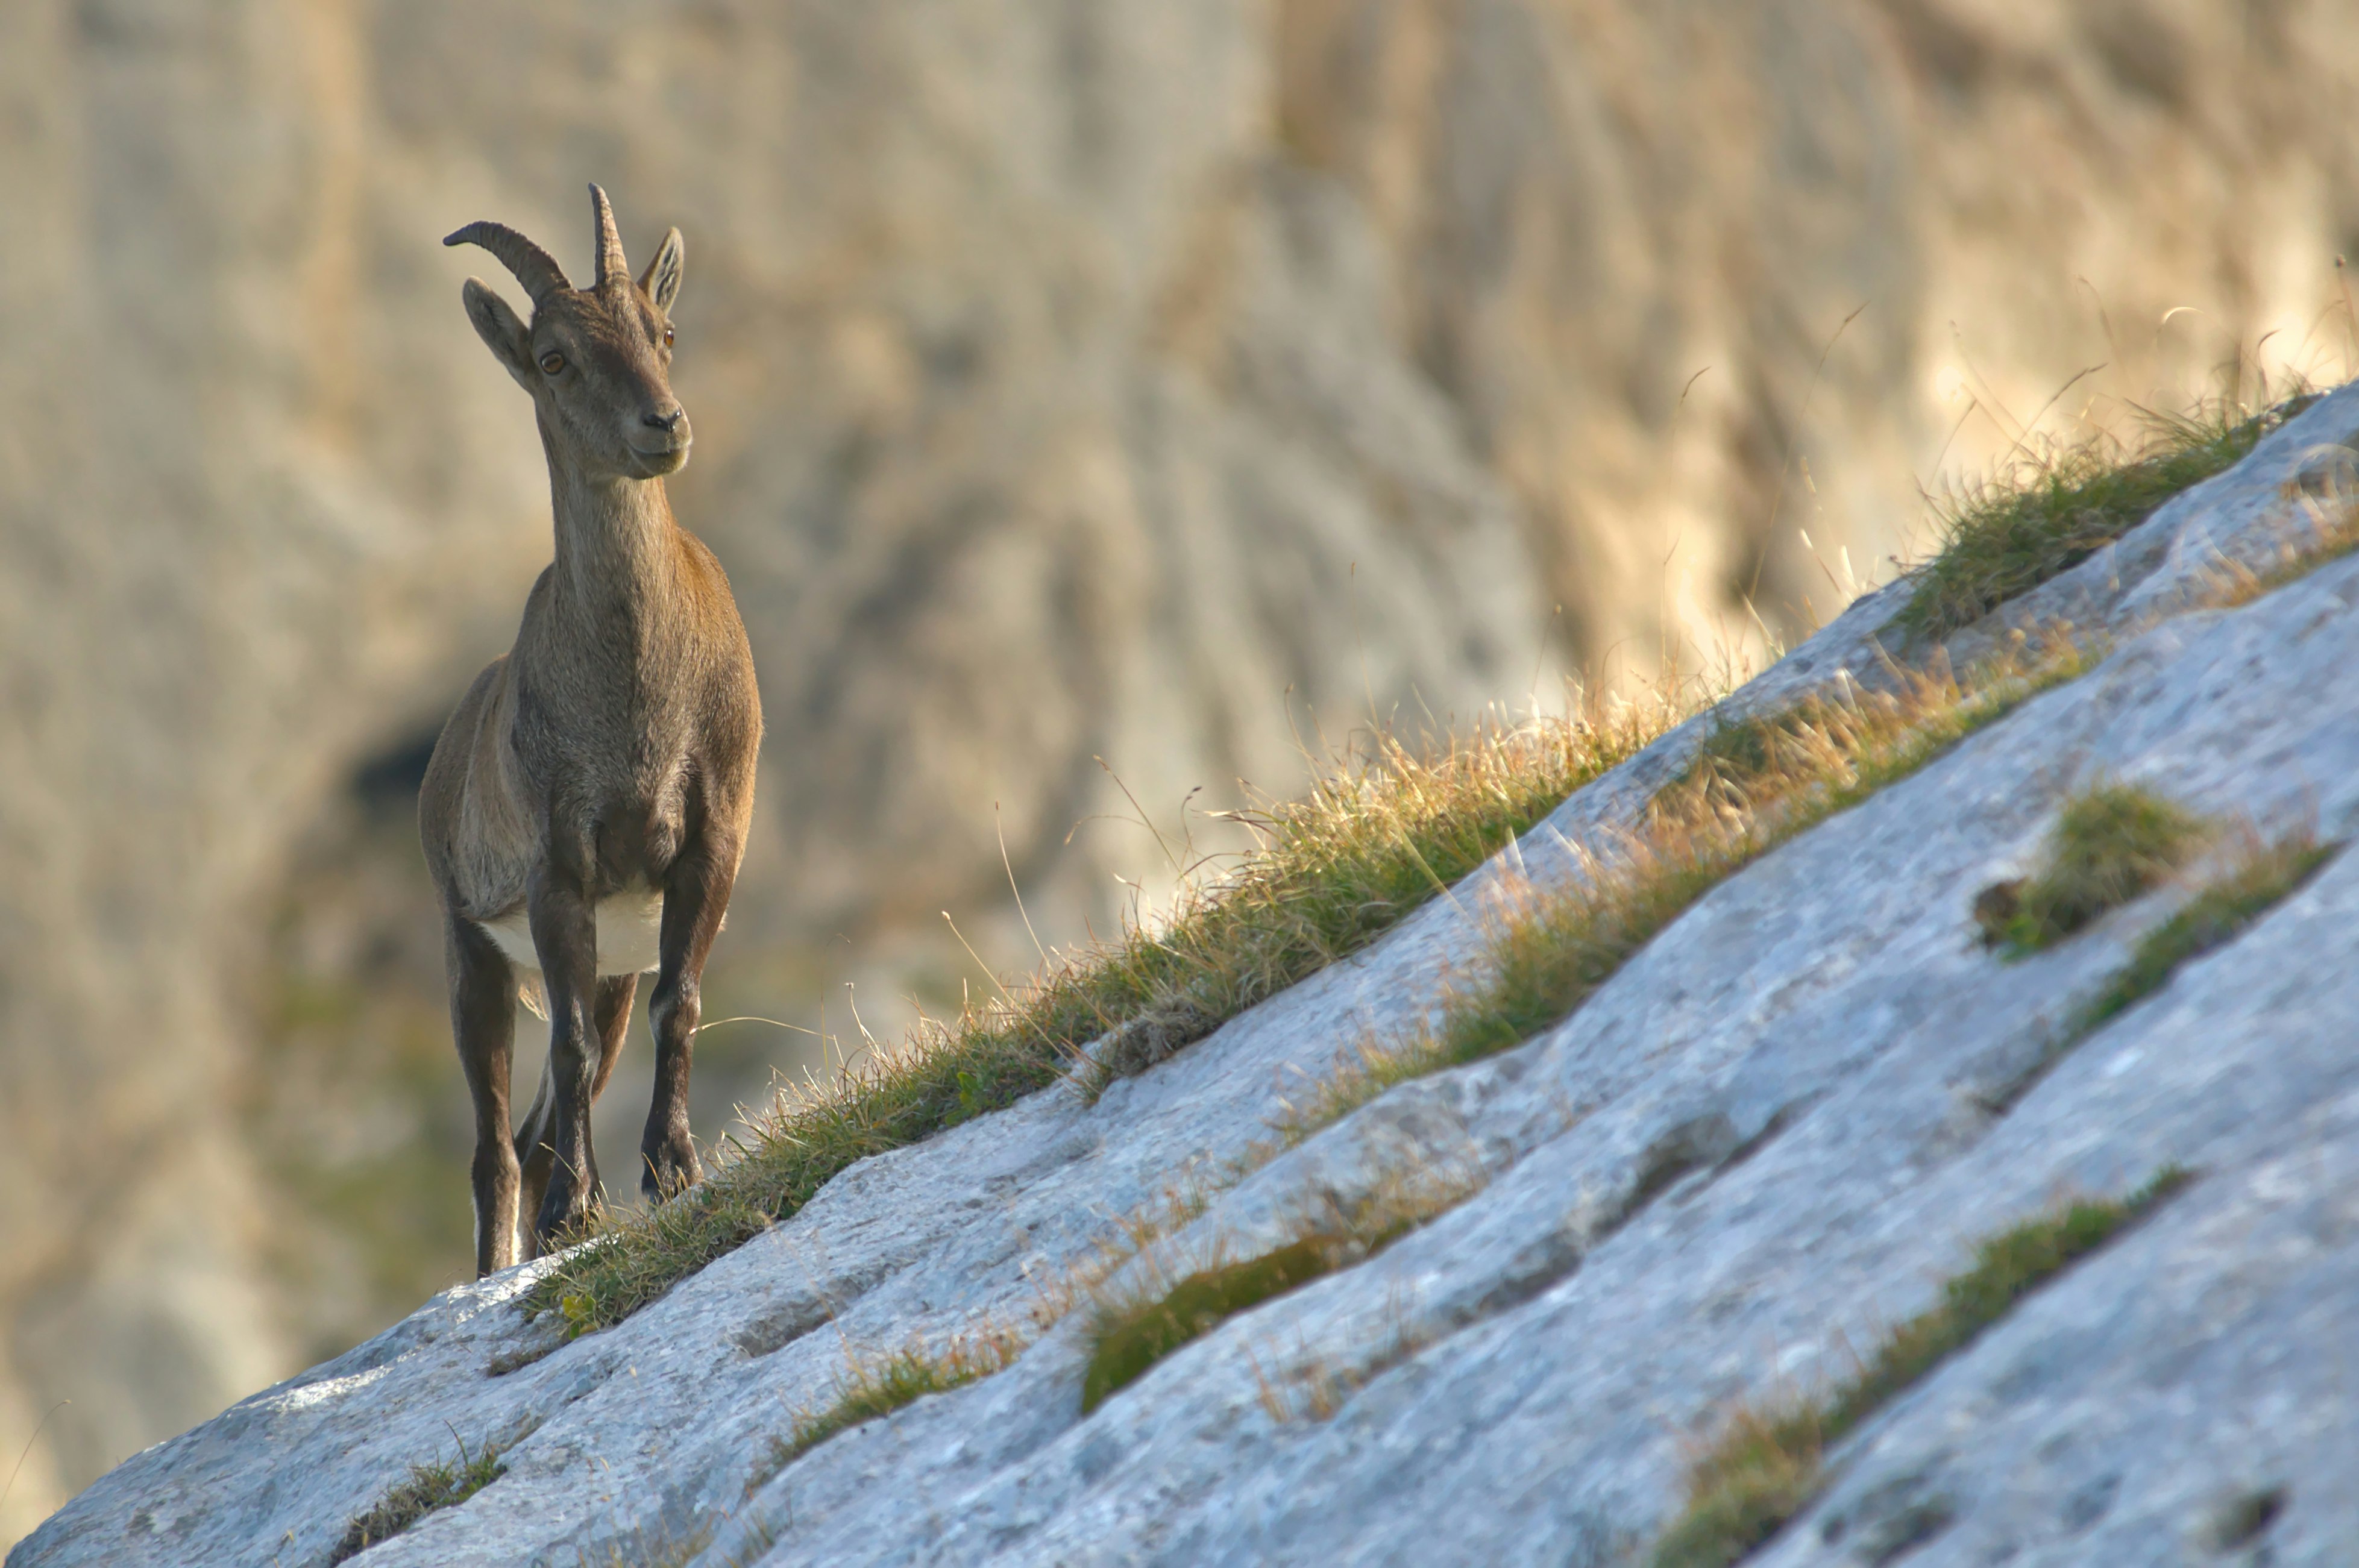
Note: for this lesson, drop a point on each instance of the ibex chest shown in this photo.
(618, 845)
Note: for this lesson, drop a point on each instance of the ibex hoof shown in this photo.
(668, 1167)
(563, 1214)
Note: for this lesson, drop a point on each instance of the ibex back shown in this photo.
(587, 804)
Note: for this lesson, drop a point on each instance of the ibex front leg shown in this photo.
(535, 1144)
(565, 936)
(696, 896)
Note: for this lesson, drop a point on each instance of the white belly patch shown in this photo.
(629, 927)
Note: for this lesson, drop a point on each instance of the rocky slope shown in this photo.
(1078, 380)
(1765, 1141)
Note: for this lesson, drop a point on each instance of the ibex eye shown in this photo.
(552, 364)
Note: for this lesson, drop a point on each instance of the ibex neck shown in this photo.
(614, 536)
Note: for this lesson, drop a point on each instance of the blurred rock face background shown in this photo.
(1165, 383)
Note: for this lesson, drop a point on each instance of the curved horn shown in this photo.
(611, 267)
(534, 267)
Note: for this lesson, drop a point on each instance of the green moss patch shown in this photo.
(2110, 845)
(2253, 881)
(1766, 1465)
(429, 1487)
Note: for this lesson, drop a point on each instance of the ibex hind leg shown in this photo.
(483, 1021)
(534, 1147)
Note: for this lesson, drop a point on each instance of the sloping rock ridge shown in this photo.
(1767, 1139)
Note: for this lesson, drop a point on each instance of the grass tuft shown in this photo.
(2110, 844)
(428, 1488)
(1735, 804)
(1765, 1465)
(870, 1387)
(1331, 873)
(1761, 1471)
(1127, 1344)
(1337, 868)
(2061, 504)
(2262, 876)
(1131, 1331)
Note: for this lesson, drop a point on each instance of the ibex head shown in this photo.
(596, 360)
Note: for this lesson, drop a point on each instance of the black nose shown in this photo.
(667, 423)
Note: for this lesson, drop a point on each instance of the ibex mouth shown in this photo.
(661, 461)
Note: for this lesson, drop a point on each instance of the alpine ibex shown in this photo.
(586, 806)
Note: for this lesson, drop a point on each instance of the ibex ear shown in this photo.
(507, 338)
(661, 280)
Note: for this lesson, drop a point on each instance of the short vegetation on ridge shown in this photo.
(1756, 786)
(1372, 842)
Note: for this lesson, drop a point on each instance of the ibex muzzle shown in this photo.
(586, 807)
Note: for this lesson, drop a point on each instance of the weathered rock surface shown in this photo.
(1768, 1137)
(1072, 379)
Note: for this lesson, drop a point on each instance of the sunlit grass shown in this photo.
(1332, 872)
(1790, 773)
(2059, 503)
